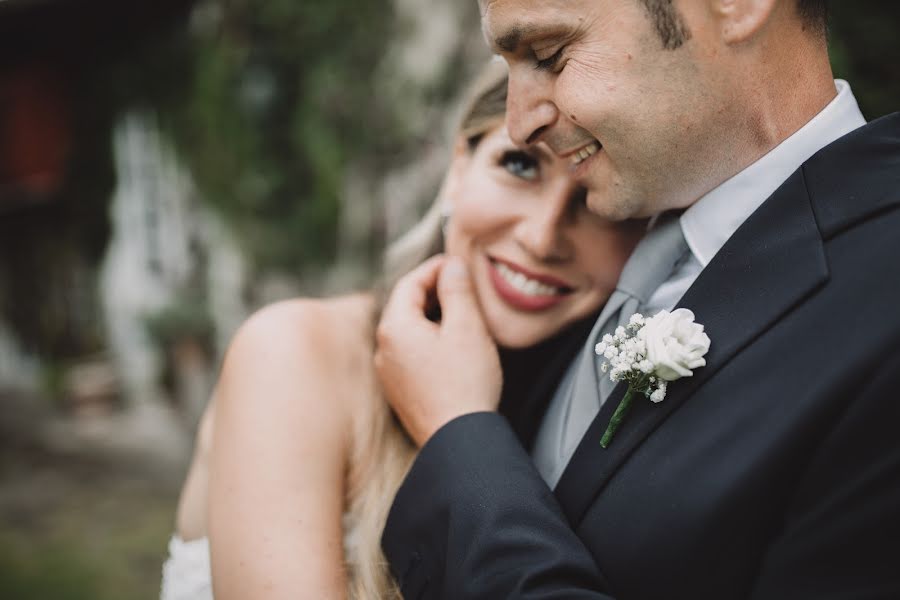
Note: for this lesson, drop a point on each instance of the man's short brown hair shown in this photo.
(674, 32)
(814, 14)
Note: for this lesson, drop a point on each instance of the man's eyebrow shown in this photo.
(511, 40)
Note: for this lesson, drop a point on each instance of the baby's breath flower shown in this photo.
(648, 354)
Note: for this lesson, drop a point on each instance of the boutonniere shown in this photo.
(648, 354)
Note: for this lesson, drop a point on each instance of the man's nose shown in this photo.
(529, 108)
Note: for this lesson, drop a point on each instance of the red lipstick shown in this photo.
(520, 300)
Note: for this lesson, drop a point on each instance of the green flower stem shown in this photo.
(618, 417)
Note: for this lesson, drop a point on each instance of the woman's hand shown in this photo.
(432, 372)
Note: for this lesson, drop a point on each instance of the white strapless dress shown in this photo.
(186, 574)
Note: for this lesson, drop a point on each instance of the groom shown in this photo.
(774, 471)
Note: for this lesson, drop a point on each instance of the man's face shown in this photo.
(593, 80)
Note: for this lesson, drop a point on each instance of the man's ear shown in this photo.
(741, 20)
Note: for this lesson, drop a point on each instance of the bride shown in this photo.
(298, 457)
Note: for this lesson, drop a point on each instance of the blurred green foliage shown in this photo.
(54, 573)
(81, 527)
(184, 318)
(865, 50)
(275, 100)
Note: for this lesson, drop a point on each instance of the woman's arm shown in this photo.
(191, 519)
(280, 446)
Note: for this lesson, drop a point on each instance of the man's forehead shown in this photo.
(508, 23)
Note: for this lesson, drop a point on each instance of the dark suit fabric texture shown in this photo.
(772, 473)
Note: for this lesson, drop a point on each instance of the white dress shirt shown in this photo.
(710, 221)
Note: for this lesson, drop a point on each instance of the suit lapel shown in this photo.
(771, 264)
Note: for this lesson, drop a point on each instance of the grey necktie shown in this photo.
(583, 390)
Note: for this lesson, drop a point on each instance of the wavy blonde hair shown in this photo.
(383, 454)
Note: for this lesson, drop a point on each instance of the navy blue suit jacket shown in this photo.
(774, 472)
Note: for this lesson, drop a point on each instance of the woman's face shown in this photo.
(539, 259)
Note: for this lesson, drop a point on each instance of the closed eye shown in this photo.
(520, 164)
(549, 63)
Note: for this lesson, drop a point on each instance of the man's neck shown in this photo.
(793, 93)
(776, 100)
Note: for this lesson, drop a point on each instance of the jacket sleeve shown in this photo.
(841, 530)
(474, 519)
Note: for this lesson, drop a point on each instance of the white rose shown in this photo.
(675, 343)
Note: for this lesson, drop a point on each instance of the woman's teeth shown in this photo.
(585, 152)
(524, 284)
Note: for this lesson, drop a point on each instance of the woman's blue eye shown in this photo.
(519, 163)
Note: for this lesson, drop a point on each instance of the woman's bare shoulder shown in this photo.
(302, 324)
(313, 344)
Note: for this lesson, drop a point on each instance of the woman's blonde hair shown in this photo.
(383, 454)
(483, 109)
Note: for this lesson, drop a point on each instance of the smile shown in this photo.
(524, 284)
(580, 156)
(525, 291)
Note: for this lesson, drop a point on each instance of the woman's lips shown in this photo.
(524, 290)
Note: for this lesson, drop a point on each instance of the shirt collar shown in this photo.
(710, 221)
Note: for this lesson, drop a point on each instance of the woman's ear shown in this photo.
(742, 20)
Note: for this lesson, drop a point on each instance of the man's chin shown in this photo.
(609, 206)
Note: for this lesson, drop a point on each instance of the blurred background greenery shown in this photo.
(165, 168)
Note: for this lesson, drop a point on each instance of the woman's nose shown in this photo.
(545, 232)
